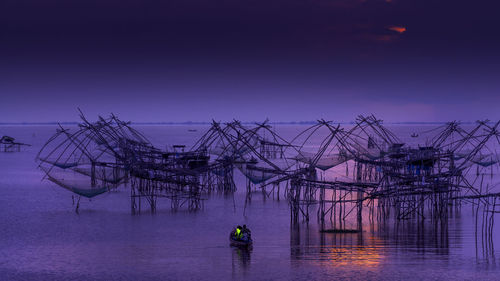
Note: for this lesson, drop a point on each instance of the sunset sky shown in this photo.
(179, 60)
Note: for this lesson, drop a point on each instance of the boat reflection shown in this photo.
(241, 257)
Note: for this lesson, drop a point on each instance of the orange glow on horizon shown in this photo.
(398, 29)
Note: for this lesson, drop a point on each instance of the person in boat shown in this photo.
(238, 233)
(246, 232)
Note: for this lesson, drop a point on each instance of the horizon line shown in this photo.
(310, 122)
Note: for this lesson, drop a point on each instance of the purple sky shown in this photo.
(181, 60)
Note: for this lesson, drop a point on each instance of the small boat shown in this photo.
(414, 135)
(192, 130)
(239, 243)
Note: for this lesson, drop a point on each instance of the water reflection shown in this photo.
(307, 243)
(241, 257)
(378, 244)
(416, 235)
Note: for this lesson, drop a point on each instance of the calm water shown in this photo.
(42, 238)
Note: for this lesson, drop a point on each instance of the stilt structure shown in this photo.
(345, 174)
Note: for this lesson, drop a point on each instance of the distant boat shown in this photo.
(192, 130)
(414, 135)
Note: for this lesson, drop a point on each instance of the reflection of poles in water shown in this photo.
(77, 203)
(416, 233)
(300, 240)
(294, 239)
(306, 242)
